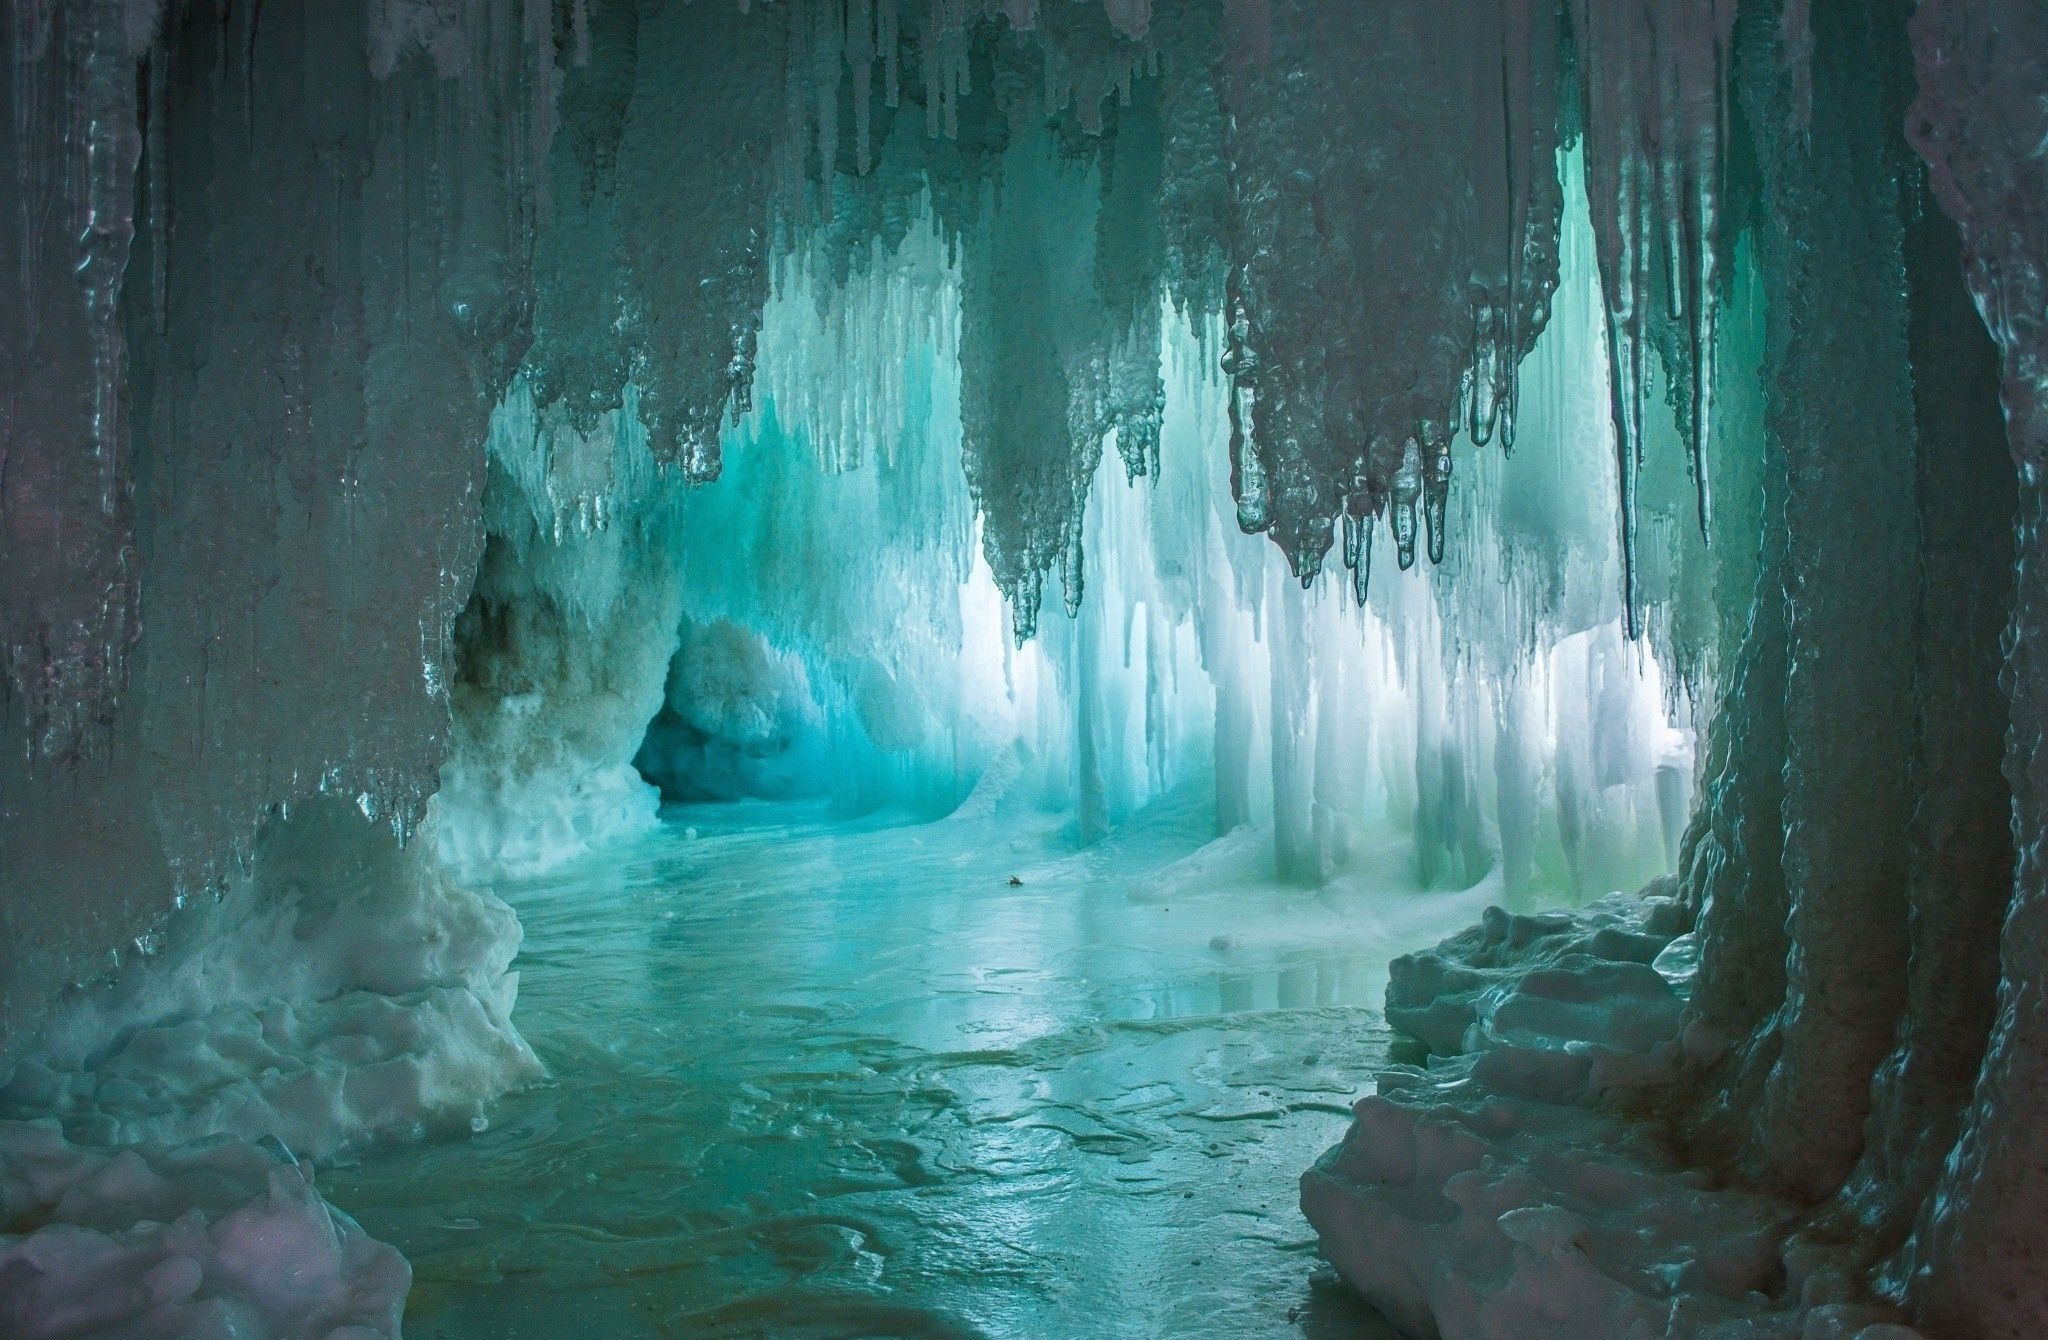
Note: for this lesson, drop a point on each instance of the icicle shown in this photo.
(888, 35)
(158, 187)
(701, 459)
(1407, 488)
(1073, 582)
(1358, 529)
(828, 54)
(1653, 82)
(1436, 487)
(114, 146)
(860, 58)
(1625, 383)
(1247, 473)
(1486, 375)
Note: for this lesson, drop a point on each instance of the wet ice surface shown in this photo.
(812, 1079)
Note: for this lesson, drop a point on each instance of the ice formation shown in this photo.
(386, 354)
(1797, 1151)
(1510, 1186)
(220, 1239)
(561, 654)
(341, 992)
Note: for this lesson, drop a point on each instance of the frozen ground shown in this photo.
(811, 1079)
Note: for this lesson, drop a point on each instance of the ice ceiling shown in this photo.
(371, 363)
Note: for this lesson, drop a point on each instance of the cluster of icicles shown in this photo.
(1241, 152)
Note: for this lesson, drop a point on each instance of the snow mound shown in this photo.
(501, 824)
(343, 991)
(1438, 995)
(1514, 1185)
(346, 991)
(212, 1240)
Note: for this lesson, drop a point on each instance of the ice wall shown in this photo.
(563, 649)
(239, 486)
(311, 326)
(1977, 121)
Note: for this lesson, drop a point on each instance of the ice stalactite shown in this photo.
(68, 155)
(1059, 342)
(1366, 326)
(1024, 422)
(1194, 201)
(1127, 392)
(1653, 90)
(692, 250)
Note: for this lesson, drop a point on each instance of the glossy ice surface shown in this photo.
(818, 1079)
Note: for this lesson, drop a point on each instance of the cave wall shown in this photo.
(306, 371)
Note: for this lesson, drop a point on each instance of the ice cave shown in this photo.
(1020, 669)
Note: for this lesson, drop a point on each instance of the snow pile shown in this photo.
(1511, 1185)
(343, 991)
(215, 1239)
(739, 719)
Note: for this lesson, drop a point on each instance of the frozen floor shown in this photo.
(820, 1080)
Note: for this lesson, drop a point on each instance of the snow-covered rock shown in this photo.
(1518, 1184)
(213, 1240)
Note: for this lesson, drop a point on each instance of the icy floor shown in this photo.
(811, 1079)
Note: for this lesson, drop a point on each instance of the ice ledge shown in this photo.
(1518, 1183)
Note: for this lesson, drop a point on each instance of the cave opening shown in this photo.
(1110, 667)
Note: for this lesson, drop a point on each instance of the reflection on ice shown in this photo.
(813, 1078)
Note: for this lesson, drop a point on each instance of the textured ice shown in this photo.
(1507, 1186)
(340, 994)
(151, 1242)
